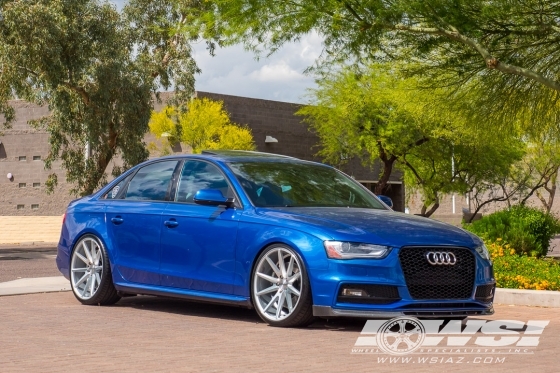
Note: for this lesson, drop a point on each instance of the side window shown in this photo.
(151, 182)
(198, 175)
(114, 192)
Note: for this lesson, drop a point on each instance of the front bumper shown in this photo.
(389, 295)
(327, 311)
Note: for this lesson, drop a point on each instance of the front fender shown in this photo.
(253, 238)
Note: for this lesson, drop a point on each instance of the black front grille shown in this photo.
(485, 293)
(376, 294)
(427, 281)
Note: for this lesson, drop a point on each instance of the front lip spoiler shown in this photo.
(327, 311)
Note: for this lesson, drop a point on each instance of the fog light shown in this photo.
(354, 293)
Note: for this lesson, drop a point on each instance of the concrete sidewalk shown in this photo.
(34, 285)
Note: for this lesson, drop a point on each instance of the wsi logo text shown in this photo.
(405, 335)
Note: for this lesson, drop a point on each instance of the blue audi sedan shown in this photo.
(292, 239)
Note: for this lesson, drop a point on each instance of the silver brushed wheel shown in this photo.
(280, 290)
(86, 268)
(90, 273)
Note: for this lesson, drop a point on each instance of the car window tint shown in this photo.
(198, 175)
(151, 182)
(113, 193)
(277, 184)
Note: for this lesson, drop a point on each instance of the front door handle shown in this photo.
(117, 220)
(170, 223)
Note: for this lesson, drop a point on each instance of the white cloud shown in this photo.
(280, 77)
(235, 71)
(279, 72)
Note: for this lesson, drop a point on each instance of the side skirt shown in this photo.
(194, 295)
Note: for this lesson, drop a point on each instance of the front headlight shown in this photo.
(351, 250)
(483, 251)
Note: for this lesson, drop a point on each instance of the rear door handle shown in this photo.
(170, 223)
(117, 220)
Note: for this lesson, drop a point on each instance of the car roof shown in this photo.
(231, 155)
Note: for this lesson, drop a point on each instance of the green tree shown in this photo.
(204, 125)
(365, 115)
(97, 70)
(376, 114)
(505, 50)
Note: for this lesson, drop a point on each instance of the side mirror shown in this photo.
(212, 197)
(386, 200)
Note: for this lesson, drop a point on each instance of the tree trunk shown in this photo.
(427, 213)
(101, 164)
(388, 163)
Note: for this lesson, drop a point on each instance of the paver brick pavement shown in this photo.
(54, 333)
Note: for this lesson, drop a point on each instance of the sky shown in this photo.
(234, 71)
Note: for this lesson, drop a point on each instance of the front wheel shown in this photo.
(90, 273)
(280, 288)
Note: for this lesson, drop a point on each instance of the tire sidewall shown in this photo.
(305, 295)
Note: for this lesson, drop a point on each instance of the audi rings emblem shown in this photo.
(438, 258)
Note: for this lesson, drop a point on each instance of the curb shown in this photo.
(34, 285)
(520, 297)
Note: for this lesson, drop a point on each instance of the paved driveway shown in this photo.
(54, 333)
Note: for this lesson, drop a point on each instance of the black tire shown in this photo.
(105, 292)
(302, 314)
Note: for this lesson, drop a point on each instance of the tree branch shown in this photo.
(491, 62)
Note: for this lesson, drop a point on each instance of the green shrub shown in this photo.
(515, 271)
(526, 230)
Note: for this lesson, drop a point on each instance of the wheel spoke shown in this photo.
(82, 258)
(88, 253)
(289, 302)
(92, 287)
(267, 277)
(282, 263)
(97, 255)
(268, 290)
(408, 342)
(273, 266)
(294, 278)
(97, 268)
(98, 277)
(280, 304)
(80, 280)
(86, 286)
(79, 269)
(396, 343)
(290, 269)
(294, 290)
(271, 302)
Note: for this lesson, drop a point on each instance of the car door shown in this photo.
(134, 222)
(198, 246)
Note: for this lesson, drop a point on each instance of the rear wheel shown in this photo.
(90, 273)
(280, 288)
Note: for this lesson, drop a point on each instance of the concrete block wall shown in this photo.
(28, 229)
(22, 151)
(264, 117)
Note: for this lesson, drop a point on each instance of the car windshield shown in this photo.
(275, 184)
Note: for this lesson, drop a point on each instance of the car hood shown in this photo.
(382, 227)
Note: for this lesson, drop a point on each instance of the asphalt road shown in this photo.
(27, 262)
